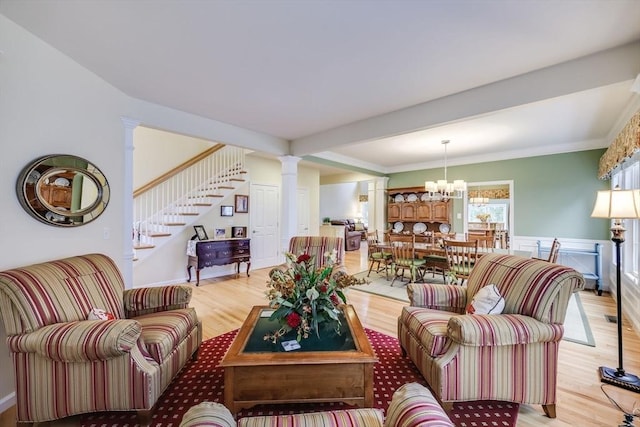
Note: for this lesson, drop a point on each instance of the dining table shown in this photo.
(435, 249)
(436, 256)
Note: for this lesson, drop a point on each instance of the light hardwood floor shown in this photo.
(223, 303)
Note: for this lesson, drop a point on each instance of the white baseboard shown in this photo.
(208, 273)
(7, 401)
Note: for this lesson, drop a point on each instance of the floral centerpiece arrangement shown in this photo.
(483, 217)
(305, 297)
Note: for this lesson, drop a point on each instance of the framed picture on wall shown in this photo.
(201, 232)
(242, 203)
(226, 210)
(238, 232)
(221, 233)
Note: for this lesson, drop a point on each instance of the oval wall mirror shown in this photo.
(62, 190)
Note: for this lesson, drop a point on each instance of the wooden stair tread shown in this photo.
(198, 204)
(208, 195)
(158, 234)
(144, 246)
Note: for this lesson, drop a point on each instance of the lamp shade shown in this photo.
(617, 204)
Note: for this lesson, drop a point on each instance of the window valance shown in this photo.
(623, 147)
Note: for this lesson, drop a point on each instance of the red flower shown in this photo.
(334, 299)
(303, 258)
(298, 277)
(324, 288)
(293, 319)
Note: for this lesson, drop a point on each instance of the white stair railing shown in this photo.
(185, 194)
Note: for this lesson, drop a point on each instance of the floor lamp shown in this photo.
(618, 205)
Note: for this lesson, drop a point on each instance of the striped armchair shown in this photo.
(65, 364)
(317, 246)
(511, 356)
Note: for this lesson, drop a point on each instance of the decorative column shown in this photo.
(289, 213)
(378, 205)
(127, 197)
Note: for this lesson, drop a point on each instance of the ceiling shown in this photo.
(373, 84)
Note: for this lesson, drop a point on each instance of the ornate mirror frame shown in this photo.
(62, 190)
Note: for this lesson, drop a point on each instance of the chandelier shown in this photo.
(478, 200)
(442, 189)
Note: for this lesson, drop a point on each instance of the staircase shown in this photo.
(165, 207)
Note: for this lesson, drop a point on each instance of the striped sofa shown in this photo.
(65, 364)
(511, 356)
(412, 405)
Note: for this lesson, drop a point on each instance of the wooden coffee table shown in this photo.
(258, 372)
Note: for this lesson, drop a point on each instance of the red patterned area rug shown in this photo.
(203, 380)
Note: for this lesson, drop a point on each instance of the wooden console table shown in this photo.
(208, 253)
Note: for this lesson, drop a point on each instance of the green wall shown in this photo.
(553, 195)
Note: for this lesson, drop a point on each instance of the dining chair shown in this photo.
(461, 256)
(553, 252)
(436, 262)
(501, 236)
(404, 261)
(485, 241)
(439, 237)
(379, 256)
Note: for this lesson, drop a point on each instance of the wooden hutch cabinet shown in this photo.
(409, 207)
(57, 190)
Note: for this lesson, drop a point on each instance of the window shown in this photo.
(629, 178)
(498, 213)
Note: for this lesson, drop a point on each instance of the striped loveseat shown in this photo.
(511, 356)
(412, 405)
(65, 364)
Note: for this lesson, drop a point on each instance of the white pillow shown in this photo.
(99, 314)
(486, 301)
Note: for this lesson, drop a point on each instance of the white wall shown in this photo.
(340, 201)
(50, 104)
(156, 152)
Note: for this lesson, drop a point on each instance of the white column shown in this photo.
(127, 196)
(379, 205)
(289, 211)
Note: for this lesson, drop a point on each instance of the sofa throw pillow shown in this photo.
(486, 301)
(100, 314)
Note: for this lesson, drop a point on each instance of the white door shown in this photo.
(264, 208)
(303, 212)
